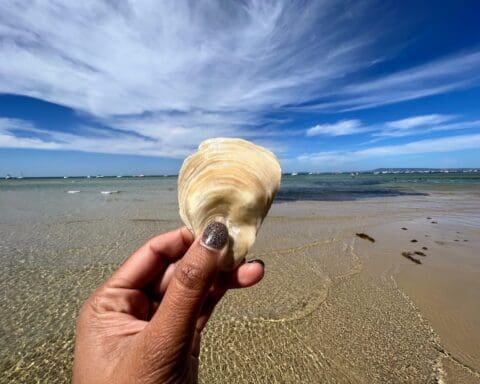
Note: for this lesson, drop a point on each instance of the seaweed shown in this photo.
(365, 237)
(409, 256)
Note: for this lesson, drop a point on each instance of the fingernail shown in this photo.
(215, 236)
(257, 261)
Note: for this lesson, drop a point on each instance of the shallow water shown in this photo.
(318, 316)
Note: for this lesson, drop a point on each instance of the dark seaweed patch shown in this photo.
(338, 193)
(409, 256)
(365, 237)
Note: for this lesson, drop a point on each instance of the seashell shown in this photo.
(232, 181)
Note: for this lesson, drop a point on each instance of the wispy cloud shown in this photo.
(421, 125)
(12, 135)
(340, 128)
(179, 72)
(419, 121)
(444, 144)
(439, 76)
(410, 126)
(167, 75)
(211, 58)
(177, 142)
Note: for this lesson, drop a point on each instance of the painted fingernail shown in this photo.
(257, 261)
(215, 236)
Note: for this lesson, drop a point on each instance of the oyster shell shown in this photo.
(232, 181)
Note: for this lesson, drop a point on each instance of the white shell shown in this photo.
(232, 181)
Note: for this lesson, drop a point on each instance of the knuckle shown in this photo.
(118, 281)
(191, 276)
(99, 302)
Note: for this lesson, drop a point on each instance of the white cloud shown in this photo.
(413, 125)
(418, 121)
(173, 143)
(439, 76)
(177, 72)
(421, 125)
(160, 56)
(340, 128)
(444, 144)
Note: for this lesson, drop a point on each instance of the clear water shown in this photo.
(23, 200)
(56, 247)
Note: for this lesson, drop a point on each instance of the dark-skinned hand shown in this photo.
(144, 324)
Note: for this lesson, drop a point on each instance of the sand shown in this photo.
(332, 308)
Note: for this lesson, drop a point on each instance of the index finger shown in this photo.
(149, 260)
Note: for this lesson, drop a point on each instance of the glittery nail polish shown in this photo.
(215, 236)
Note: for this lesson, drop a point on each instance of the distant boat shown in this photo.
(99, 176)
(294, 173)
(65, 177)
(108, 192)
(141, 175)
(8, 177)
(119, 176)
(88, 176)
(72, 192)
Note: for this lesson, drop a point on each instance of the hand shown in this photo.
(144, 324)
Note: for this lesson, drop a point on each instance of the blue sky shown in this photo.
(120, 87)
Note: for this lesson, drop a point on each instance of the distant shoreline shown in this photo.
(300, 173)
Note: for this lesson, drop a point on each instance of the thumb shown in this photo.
(174, 321)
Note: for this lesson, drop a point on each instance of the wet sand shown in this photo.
(333, 307)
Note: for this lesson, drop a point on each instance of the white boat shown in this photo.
(72, 192)
(8, 177)
(119, 176)
(294, 173)
(108, 192)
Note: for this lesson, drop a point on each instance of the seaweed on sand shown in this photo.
(409, 255)
(365, 237)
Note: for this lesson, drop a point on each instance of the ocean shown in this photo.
(61, 238)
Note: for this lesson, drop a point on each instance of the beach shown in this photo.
(369, 278)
